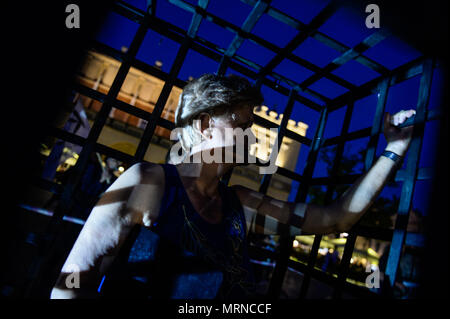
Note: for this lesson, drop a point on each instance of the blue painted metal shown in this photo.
(377, 124)
(321, 37)
(228, 58)
(398, 238)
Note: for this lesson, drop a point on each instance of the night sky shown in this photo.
(346, 26)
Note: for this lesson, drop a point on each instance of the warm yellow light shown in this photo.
(121, 169)
(296, 243)
(308, 240)
(338, 241)
(372, 252)
(71, 161)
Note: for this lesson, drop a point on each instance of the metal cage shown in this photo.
(265, 75)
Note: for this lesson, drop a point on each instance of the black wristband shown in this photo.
(395, 157)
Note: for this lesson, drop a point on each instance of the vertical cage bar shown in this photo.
(311, 261)
(285, 242)
(258, 10)
(383, 90)
(368, 161)
(344, 264)
(168, 85)
(162, 99)
(339, 151)
(398, 238)
(303, 192)
(282, 128)
(343, 267)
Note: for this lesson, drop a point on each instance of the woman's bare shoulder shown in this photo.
(143, 173)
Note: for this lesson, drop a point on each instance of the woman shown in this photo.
(177, 231)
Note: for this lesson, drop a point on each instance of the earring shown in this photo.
(209, 134)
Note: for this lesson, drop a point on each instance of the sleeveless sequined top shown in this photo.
(182, 256)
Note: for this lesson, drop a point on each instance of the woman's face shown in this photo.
(230, 133)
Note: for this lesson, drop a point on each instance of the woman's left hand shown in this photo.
(398, 139)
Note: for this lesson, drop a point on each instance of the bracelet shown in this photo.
(395, 157)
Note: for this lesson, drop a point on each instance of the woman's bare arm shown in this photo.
(134, 198)
(266, 215)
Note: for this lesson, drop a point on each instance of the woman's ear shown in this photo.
(203, 125)
(205, 120)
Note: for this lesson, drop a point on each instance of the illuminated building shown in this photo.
(142, 91)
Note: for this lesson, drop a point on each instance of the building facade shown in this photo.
(142, 91)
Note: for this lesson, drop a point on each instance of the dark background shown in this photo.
(40, 53)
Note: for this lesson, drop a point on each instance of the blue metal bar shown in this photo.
(406, 197)
(285, 242)
(311, 28)
(282, 129)
(167, 88)
(400, 74)
(196, 19)
(151, 7)
(351, 54)
(196, 9)
(344, 264)
(321, 37)
(377, 124)
(303, 192)
(257, 11)
(349, 245)
(162, 99)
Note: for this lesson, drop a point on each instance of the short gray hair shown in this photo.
(216, 95)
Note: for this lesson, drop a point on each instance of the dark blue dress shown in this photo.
(182, 256)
